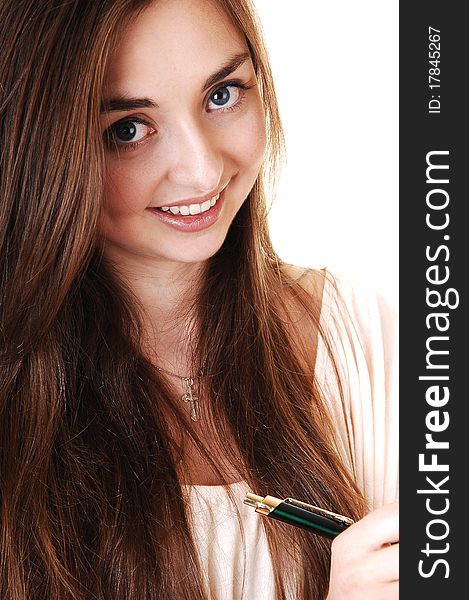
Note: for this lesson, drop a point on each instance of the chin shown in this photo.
(195, 251)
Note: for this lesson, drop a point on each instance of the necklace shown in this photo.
(190, 396)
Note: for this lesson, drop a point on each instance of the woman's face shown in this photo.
(183, 133)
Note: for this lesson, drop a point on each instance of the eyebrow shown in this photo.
(125, 103)
(234, 63)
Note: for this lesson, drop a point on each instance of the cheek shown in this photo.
(124, 191)
(250, 140)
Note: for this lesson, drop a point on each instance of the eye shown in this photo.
(128, 133)
(228, 96)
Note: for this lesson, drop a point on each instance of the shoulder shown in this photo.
(356, 370)
(361, 324)
(301, 310)
(343, 298)
(362, 315)
(305, 284)
(312, 280)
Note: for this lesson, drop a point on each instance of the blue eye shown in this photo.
(125, 131)
(228, 96)
(129, 130)
(222, 95)
(128, 133)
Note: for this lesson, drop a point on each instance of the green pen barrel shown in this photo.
(306, 519)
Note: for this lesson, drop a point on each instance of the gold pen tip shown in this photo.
(252, 499)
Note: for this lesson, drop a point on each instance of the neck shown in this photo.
(167, 292)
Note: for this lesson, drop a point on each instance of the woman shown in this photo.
(158, 359)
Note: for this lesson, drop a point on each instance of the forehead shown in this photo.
(170, 42)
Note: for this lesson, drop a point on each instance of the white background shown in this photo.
(335, 65)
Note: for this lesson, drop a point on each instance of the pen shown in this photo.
(314, 519)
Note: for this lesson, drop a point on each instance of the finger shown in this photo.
(384, 564)
(376, 529)
(394, 590)
(389, 591)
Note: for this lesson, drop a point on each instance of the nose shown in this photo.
(195, 159)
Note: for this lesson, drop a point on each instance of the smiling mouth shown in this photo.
(190, 209)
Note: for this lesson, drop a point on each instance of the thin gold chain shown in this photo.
(181, 377)
(190, 396)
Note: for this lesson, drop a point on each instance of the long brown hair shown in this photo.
(90, 501)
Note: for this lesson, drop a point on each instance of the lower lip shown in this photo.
(190, 223)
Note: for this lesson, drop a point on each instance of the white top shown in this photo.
(367, 349)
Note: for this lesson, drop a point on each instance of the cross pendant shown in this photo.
(192, 399)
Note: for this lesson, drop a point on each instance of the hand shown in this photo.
(365, 558)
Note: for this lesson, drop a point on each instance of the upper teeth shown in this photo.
(192, 209)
